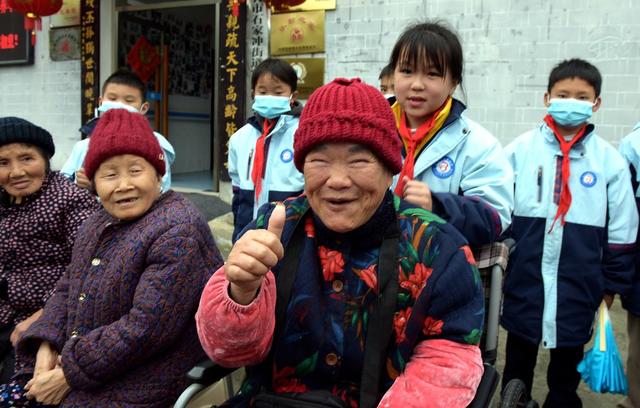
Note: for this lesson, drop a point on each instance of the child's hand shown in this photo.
(418, 193)
(82, 180)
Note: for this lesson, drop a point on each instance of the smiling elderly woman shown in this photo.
(350, 295)
(40, 213)
(119, 329)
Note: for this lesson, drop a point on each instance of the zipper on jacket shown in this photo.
(249, 164)
(539, 183)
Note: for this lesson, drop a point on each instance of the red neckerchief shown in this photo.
(412, 141)
(257, 172)
(565, 147)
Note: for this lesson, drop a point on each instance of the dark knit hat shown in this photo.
(17, 130)
(347, 110)
(122, 132)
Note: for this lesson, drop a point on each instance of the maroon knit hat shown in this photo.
(347, 110)
(122, 132)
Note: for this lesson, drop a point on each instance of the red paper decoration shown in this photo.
(143, 59)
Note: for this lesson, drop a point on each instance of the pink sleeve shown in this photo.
(441, 373)
(231, 334)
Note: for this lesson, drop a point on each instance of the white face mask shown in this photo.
(387, 96)
(108, 105)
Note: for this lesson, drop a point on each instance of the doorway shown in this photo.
(181, 79)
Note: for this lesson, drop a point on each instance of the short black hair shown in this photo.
(386, 71)
(576, 68)
(126, 77)
(279, 69)
(429, 42)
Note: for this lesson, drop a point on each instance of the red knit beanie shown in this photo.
(122, 132)
(347, 110)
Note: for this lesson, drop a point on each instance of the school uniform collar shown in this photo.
(443, 142)
(577, 151)
(256, 120)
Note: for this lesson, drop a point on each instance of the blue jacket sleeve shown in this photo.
(622, 229)
(482, 210)
(471, 215)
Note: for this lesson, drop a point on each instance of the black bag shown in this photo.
(379, 328)
(311, 399)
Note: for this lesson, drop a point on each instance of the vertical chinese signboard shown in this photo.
(232, 78)
(15, 43)
(258, 34)
(90, 57)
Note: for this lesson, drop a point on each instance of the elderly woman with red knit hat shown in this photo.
(347, 294)
(119, 329)
(40, 213)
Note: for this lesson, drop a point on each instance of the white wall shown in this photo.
(46, 93)
(509, 46)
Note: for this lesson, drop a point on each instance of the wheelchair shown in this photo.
(492, 263)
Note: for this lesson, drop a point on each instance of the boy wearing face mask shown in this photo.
(122, 90)
(575, 225)
(261, 164)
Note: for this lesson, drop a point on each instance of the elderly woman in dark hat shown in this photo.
(119, 329)
(347, 295)
(40, 213)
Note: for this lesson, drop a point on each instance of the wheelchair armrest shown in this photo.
(207, 372)
(487, 387)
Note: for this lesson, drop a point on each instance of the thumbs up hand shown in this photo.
(252, 256)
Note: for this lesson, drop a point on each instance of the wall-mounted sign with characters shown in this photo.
(231, 116)
(315, 5)
(90, 57)
(310, 73)
(297, 33)
(15, 44)
(64, 43)
(69, 15)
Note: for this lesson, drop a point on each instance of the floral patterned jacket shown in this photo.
(433, 353)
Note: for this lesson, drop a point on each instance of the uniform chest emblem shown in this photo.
(444, 168)
(588, 179)
(286, 155)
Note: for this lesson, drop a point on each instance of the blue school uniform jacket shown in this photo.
(281, 178)
(630, 149)
(556, 278)
(469, 177)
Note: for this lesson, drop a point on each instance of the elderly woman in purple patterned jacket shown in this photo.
(120, 329)
(40, 213)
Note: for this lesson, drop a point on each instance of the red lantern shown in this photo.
(33, 11)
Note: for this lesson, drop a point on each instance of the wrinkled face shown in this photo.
(127, 185)
(421, 92)
(386, 85)
(573, 88)
(125, 94)
(345, 184)
(22, 170)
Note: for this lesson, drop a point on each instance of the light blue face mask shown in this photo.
(270, 106)
(570, 112)
(108, 105)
